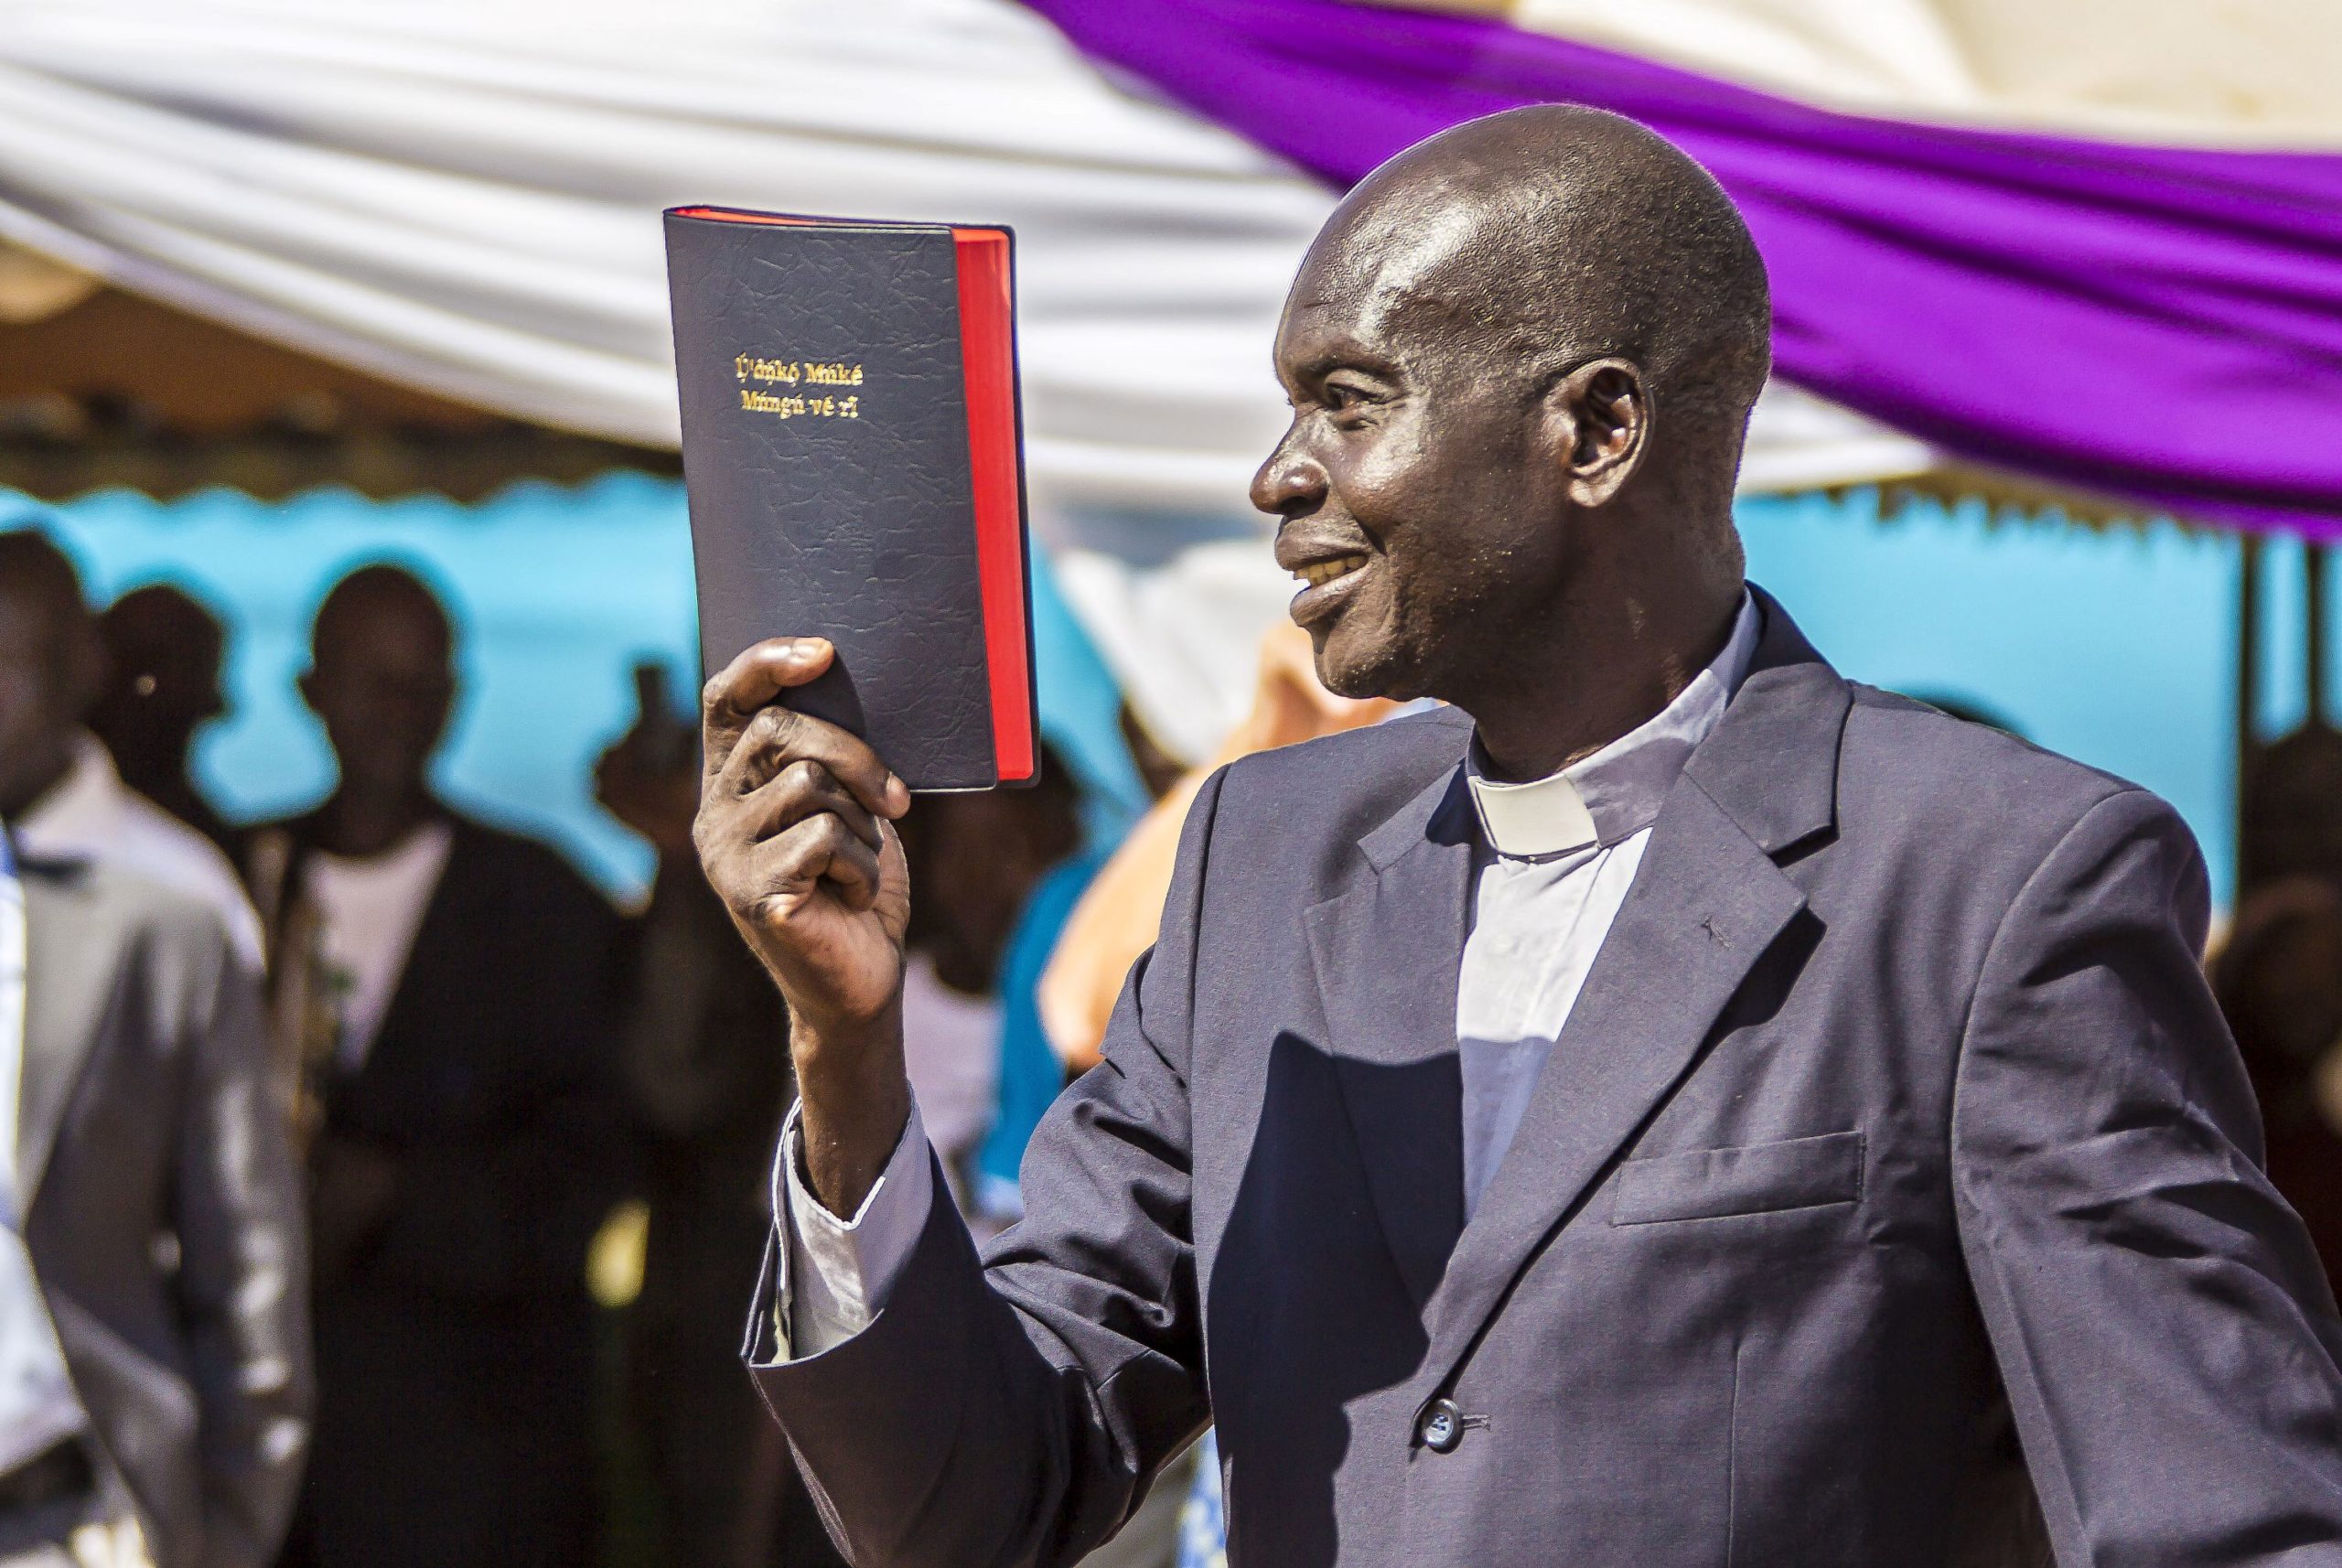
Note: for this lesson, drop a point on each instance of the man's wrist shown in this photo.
(855, 1099)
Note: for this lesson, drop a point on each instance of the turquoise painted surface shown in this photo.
(557, 593)
(2115, 647)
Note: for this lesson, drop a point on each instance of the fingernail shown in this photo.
(898, 792)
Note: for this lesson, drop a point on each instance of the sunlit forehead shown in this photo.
(1351, 302)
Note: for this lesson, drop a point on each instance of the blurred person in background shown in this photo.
(2291, 821)
(164, 652)
(708, 1092)
(66, 799)
(155, 1373)
(439, 992)
(2279, 980)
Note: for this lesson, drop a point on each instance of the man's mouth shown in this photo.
(1317, 574)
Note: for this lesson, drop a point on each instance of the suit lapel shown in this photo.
(72, 956)
(1387, 951)
(1706, 904)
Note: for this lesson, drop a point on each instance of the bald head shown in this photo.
(163, 652)
(1520, 358)
(372, 598)
(381, 678)
(1557, 234)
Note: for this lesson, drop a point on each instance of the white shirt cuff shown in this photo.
(841, 1271)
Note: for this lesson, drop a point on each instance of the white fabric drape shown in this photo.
(462, 195)
(2214, 72)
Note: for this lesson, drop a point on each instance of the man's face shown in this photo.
(1421, 499)
(383, 687)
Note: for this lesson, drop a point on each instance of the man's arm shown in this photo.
(2165, 1331)
(840, 1270)
(242, 1280)
(1013, 1412)
(1009, 1420)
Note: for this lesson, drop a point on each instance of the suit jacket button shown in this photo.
(1442, 1426)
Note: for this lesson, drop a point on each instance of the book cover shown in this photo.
(851, 459)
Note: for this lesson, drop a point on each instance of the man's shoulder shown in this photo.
(172, 937)
(479, 849)
(1915, 766)
(137, 836)
(522, 865)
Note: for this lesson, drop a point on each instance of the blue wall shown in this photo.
(557, 593)
(2116, 647)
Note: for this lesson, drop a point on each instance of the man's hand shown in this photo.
(795, 834)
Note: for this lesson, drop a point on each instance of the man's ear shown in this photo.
(1601, 412)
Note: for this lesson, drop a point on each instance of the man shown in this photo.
(163, 656)
(154, 1349)
(453, 1046)
(69, 802)
(1673, 1106)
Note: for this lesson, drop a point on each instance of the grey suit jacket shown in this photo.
(1891, 1199)
(163, 1210)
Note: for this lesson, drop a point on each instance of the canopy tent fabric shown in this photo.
(2239, 73)
(459, 195)
(2164, 323)
(462, 196)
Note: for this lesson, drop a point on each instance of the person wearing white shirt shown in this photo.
(155, 1387)
(90, 812)
(459, 1088)
(41, 1419)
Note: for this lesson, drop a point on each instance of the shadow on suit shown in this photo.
(1303, 1266)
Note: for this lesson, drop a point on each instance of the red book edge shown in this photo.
(988, 363)
(988, 369)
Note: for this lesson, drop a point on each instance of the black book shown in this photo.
(852, 455)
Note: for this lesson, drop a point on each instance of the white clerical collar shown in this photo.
(1614, 793)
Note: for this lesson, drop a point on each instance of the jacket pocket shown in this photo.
(1758, 1178)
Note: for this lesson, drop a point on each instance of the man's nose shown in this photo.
(1290, 483)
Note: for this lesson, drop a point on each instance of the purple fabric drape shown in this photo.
(2156, 323)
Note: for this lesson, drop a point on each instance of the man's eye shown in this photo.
(1339, 397)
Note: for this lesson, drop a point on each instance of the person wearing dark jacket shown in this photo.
(437, 993)
(1671, 1105)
